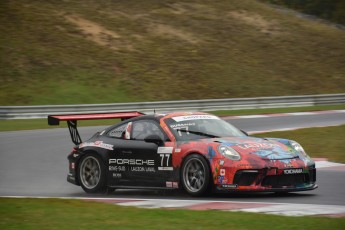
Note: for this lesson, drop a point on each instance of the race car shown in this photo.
(196, 151)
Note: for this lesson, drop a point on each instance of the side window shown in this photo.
(118, 132)
(143, 129)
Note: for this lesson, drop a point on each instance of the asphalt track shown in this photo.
(33, 163)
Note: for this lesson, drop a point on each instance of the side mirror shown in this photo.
(154, 139)
(244, 132)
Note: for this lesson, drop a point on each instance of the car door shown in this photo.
(136, 162)
(118, 159)
(153, 166)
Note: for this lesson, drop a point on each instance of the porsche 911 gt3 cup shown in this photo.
(198, 152)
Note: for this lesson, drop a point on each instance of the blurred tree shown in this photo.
(333, 10)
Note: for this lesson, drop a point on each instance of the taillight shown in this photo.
(74, 152)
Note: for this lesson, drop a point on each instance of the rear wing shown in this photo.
(73, 118)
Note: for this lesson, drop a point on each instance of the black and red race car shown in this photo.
(196, 151)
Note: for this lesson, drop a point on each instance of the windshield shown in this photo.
(193, 127)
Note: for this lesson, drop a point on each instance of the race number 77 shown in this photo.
(163, 156)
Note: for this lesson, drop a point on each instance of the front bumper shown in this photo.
(264, 189)
(269, 180)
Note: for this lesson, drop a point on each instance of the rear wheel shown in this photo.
(92, 174)
(195, 175)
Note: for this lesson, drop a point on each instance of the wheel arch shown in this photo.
(210, 171)
(198, 153)
(82, 155)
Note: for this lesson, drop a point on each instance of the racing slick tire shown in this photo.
(196, 175)
(91, 174)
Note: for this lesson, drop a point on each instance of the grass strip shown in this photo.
(78, 52)
(75, 214)
(29, 124)
(325, 142)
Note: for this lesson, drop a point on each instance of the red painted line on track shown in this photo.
(338, 215)
(277, 114)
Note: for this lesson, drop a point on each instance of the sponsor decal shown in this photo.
(177, 150)
(98, 144)
(176, 126)
(117, 168)
(221, 162)
(137, 169)
(75, 155)
(185, 130)
(258, 146)
(170, 184)
(222, 180)
(139, 162)
(293, 171)
(229, 185)
(222, 172)
(117, 175)
(243, 165)
(194, 117)
(142, 169)
(288, 165)
(165, 150)
(166, 159)
(72, 165)
(165, 168)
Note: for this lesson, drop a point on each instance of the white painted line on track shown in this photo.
(162, 203)
(285, 209)
(302, 113)
(298, 209)
(289, 129)
(327, 164)
(137, 199)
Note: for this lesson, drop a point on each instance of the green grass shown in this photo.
(28, 124)
(277, 110)
(325, 142)
(75, 214)
(163, 50)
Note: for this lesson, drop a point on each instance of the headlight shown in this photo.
(229, 152)
(297, 147)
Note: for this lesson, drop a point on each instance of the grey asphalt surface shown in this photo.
(34, 163)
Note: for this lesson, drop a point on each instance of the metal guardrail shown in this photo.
(26, 112)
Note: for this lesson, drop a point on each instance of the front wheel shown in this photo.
(92, 174)
(195, 175)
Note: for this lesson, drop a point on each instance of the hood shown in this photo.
(264, 148)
